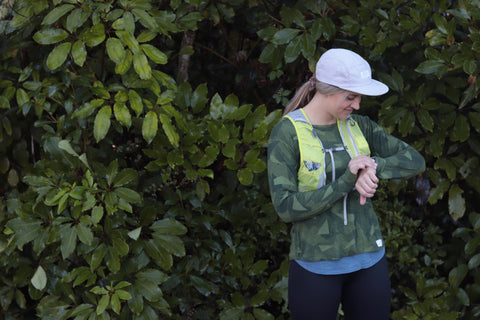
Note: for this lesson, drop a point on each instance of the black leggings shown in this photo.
(364, 294)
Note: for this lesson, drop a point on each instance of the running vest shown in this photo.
(311, 173)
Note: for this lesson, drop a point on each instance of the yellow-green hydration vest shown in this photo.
(311, 173)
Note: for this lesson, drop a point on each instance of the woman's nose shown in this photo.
(356, 104)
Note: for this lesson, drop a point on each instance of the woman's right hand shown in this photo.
(361, 162)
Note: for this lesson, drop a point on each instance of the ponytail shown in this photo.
(306, 92)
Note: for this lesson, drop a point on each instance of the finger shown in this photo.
(372, 174)
(363, 200)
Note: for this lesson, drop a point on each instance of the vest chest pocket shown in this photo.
(310, 175)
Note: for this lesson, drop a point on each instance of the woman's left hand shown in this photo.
(367, 183)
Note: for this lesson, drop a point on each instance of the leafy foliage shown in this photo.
(129, 191)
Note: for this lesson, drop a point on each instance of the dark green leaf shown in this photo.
(76, 19)
(293, 50)
(154, 54)
(245, 176)
(260, 298)
(161, 257)
(50, 36)
(172, 244)
(474, 262)
(58, 55)
(103, 304)
(168, 226)
(102, 123)
(115, 50)
(461, 129)
(95, 35)
(128, 195)
(456, 202)
(141, 66)
(39, 279)
(26, 230)
(135, 102)
(425, 120)
(79, 53)
(69, 240)
(432, 66)
(122, 114)
(203, 286)
(57, 13)
(125, 64)
(169, 130)
(262, 314)
(84, 233)
(148, 289)
(284, 36)
(150, 126)
(457, 275)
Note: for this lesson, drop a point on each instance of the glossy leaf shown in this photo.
(284, 36)
(58, 55)
(122, 114)
(125, 64)
(50, 36)
(69, 241)
(145, 19)
(161, 257)
(102, 123)
(293, 50)
(206, 288)
(437, 67)
(245, 176)
(169, 130)
(141, 66)
(150, 126)
(474, 262)
(4, 103)
(456, 202)
(134, 234)
(103, 304)
(172, 244)
(39, 279)
(135, 102)
(169, 226)
(22, 97)
(425, 120)
(95, 35)
(154, 54)
(129, 40)
(76, 19)
(461, 129)
(115, 50)
(57, 13)
(79, 53)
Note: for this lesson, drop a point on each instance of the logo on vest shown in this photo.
(312, 166)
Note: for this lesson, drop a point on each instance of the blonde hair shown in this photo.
(306, 92)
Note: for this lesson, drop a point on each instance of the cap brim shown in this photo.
(373, 88)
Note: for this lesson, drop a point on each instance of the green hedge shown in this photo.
(129, 192)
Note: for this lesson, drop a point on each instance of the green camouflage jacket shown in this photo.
(318, 232)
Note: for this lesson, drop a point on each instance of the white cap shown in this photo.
(349, 71)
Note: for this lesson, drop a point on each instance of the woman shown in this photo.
(324, 165)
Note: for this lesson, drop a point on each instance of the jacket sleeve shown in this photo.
(283, 162)
(395, 158)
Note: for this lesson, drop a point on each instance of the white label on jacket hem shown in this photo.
(379, 243)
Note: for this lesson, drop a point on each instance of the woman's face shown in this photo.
(343, 104)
